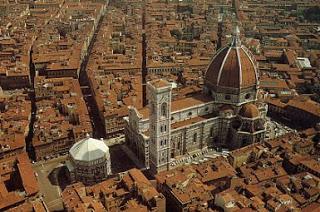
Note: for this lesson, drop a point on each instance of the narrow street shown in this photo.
(97, 123)
(144, 57)
(32, 97)
(28, 140)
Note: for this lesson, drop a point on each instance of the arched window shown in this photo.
(164, 109)
(227, 97)
(195, 138)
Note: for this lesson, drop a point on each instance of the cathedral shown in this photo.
(227, 114)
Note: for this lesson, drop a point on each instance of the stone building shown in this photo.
(226, 114)
(89, 161)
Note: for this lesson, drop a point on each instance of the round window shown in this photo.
(247, 96)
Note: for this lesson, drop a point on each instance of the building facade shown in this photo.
(227, 114)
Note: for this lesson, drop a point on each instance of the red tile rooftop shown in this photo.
(180, 104)
(10, 199)
(17, 171)
(305, 104)
(28, 178)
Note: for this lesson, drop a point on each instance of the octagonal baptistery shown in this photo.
(232, 76)
(90, 161)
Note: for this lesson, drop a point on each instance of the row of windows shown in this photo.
(190, 113)
(163, 128)
(163, 142)
(228, 97)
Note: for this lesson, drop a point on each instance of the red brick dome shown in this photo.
(249, 111)
(232, 67)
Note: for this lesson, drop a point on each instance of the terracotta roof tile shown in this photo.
(230, 73)
(249, 111)
(225, 70)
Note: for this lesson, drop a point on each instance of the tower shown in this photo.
(159, 96)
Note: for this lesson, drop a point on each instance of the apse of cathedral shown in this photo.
(227, 114)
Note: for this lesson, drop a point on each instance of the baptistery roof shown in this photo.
(232, 67)
(89, 149)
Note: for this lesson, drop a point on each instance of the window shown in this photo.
(190, 113)
(206, 109)
(211, 131)
(178, 147)
(153, 108)
(164, 109)
(163, 142)
(247, 96)
(195, 138)
(227, 97)
(161, 129)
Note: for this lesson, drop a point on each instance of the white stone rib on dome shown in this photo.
(89, 149)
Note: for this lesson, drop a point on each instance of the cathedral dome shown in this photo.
(89, 149)
(232, 67)
(249, 111)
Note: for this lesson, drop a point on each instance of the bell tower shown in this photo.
(159, 97)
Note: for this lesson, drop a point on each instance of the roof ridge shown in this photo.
(222, 65)
(239, 63)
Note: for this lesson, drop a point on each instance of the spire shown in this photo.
(236, 42)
